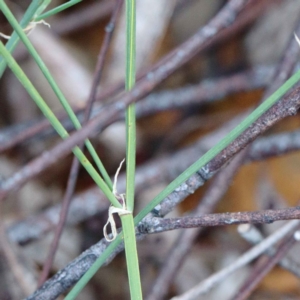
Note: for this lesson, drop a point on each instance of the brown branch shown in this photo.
(72, 180)
(256, 217)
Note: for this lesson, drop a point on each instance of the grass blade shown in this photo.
(131, 257)
(127, 220)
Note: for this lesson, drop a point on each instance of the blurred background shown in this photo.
(70, 49)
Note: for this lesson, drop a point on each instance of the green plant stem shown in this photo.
(14, 39)
(55, 122)
(127, 220)
(57, 10)
(14, 23)
(130, 112)
(131, 257)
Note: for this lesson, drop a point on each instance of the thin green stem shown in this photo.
(14, 39)
(131, 257)
(55, 122)
(130, 43)
(130, 112)
(130, 156)
(57, 10)
(14, 23)
(127, 220)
